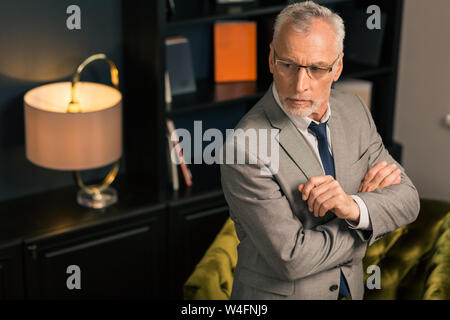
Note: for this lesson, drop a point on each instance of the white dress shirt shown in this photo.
(302, 124)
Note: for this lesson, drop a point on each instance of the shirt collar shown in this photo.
(301, 123)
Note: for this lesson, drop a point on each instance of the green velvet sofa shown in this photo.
(414, 261)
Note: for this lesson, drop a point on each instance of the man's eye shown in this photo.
(315, 68)
(287, 65)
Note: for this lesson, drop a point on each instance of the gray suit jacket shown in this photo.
(285, 252)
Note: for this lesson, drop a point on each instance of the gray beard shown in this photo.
(303, 113)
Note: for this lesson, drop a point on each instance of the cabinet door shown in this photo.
(11, 272)
(192, 231)
(120, 261)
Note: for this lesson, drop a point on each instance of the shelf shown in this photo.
(208, 17)
(211, 95)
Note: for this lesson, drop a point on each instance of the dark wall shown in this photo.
(36, 47)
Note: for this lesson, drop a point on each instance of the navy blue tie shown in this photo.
(320, 131)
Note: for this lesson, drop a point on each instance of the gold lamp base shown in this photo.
(97, 200)
(97, 196)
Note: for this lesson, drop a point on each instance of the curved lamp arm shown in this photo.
(74, 106)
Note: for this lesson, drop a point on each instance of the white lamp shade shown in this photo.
(57, 139)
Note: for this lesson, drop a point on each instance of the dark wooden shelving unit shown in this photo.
(154, 233)
(211, 18)
(209, 14)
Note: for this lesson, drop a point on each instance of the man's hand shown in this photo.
(324, 194)
(381, 175)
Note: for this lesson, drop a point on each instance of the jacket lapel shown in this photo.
(339, 143)
(290, 139)
(297, 148)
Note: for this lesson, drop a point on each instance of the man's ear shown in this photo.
(340, 67)
(271, 58)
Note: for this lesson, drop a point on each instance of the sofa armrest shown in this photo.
(212, 278)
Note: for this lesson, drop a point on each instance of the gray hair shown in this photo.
(301, 15)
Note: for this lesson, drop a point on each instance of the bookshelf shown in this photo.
(191, 232)
(196, 22)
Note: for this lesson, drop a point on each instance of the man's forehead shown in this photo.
(302, 53)
(318, 45)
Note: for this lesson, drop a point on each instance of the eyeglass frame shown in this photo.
(308, 71)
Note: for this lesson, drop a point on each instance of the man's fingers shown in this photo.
(373, 171)
(314, 182)
(381, 175)
(391, 179)
(316, 193)
(327, 205)
(321, 205)
(376, 180)
(370, 175)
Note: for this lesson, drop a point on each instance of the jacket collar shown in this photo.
(295, 144)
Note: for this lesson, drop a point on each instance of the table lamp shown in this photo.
(77, 126)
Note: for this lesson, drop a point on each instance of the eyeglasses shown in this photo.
(289, 69)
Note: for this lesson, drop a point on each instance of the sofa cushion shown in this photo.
(438, 282)
(403, 263)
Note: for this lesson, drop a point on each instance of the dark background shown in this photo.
(38, 48)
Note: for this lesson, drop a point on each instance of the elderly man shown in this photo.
(304, 228)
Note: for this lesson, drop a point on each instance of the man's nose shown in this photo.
(302, 80)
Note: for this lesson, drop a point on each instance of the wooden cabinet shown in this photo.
(11, 271)
(141, 247)
(124, 259)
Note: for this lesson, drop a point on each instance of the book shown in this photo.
(233, 90)
(179, 66)
(234, 6)
(170, 9)
(362, 88)
(168, 93)
(173, 173)
(233, 1)
(178, 154)
(235, 51)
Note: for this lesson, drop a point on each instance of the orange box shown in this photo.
(235, 51)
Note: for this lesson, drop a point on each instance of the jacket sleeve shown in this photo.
(390, 207)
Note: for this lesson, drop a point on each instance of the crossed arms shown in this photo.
(259, 206)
